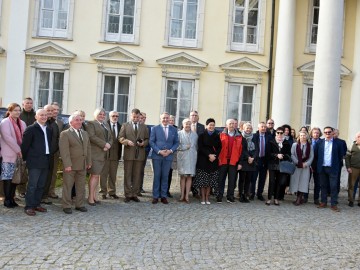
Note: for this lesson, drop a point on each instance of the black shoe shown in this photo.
(67, 210)
(351, 204)
(261, 198)
(316, 202)
(251, 198)
(8, 204)
(135, 199)
(219, 199)
(103, 197)
(230, 200)
(242, 198)
(114, 196)
(81, 209)
(246, 200)
(127, 199)
(169, 195)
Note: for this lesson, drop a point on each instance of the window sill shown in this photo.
(182, 47)
(53, 38)
(244, 52)
(119, 42)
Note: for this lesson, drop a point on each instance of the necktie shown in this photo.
(165, 130)
(136, 129)
(80, 137)
(262, 146)
(114, 130)
(105, 130)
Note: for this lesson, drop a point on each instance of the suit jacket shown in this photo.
(159, 142)
(55, 136)
(116, 146)
(200, 128)
(33, 147)
(73, 152)
(127, 133)
(60, 124)
(256, 139)
(337, 155)
(98, 139)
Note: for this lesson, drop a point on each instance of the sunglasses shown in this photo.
(327, 132)
(279, 132)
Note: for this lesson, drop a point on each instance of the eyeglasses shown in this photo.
(115, 116)
(327, 132)
(279, 132)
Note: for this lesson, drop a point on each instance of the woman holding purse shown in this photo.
(11, 130)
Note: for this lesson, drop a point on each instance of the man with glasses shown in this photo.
(108, 177)
(270, 128)
(329, 155)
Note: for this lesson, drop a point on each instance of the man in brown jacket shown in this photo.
(135, 137)
(75, 152)
(352, 162)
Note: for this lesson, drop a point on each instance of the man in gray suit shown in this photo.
(135, 137)
(75, 151)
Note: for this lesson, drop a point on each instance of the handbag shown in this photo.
(20, 174)
(287, 167)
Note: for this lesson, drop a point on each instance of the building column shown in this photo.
(15, 56)
(354, 124)
(284, 64)
(326, 98)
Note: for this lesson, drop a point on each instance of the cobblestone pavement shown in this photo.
(115, 235)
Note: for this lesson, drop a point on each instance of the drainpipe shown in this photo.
(270, 60)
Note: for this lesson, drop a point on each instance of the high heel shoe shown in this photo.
(276, 202)
(92, 204)
(268, 202)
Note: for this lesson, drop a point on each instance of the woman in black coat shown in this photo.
(277, 150)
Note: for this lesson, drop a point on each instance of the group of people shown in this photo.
(205, 158)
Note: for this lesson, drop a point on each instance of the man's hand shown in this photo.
(349, 170)
(68, 169)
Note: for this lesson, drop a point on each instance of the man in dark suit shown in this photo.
(270, 128)
(261, 138)
(329, 154)
(135, 137)
(35, 150)
(108, 177)
(75, 153)
(164, 141)
(142, 120)
(199, 129)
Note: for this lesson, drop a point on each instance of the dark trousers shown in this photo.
(327, 178)
(244, 181)
(169, 180)
(276, 181)
(35, 187)
(261, 172)
(229, 171)
(48, 178)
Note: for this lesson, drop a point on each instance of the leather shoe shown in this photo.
(135, 199)
(164, 201)
(127, 199)
(103, 197)
(114, 196)
(81, 209)
(169, 195)
(67, 210)
(351, 204)
(322, 205)
(92, 204)
(30, 212)
(40, 209)
(261, 198)
(155, 200)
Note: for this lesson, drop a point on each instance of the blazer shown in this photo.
(256, 140)
(33, 147)
(272, 150)
(73, 152)
(60, 124)
(98, 139)
(200, 128)
(55, 135)
(8, 143)
(159, 142)
(127, 133)
(116, 147)
(337, 155)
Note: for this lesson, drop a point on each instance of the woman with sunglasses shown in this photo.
(277, 150)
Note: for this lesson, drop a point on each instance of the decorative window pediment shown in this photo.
(49, 50)
(117, 55)
(183, 61)
(244, 64)
(308, 71)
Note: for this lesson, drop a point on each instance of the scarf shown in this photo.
(299, 154)
(279, 142)
(250, 143)
(17, 128)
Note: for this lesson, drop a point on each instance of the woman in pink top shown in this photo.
(11, 130)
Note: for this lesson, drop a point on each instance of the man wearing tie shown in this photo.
(108, 177)
(164, 141)
(135, 137)
(75, 151)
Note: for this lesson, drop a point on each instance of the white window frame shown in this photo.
(103, 71)
(51, 87)
(119, 37)
(311, 47)
(117, 76)
(305, 103)
(196, 43)
(247, 47)
(39, 32)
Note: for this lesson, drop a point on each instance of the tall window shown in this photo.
(245, 25)
(179, 96)
(308, 109)
(54, 18)
(240, 102)
(184, 23)
(50, 88)
(314, 22)
(120, 23)
(116, 95)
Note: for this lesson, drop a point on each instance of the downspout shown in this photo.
(270, 60)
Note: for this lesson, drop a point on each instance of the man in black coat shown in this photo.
(35, 150)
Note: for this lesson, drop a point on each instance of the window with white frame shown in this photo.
(313, 24)
(54, 18)
(184, 23)
(308, 104)
(240, 102)
(245, 25)
(179, 98)
(121, 20)
(50, 88)
(116, 95)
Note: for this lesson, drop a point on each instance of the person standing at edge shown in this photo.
(134, 136)
(352, 162)
(35, 149)
(164, 141)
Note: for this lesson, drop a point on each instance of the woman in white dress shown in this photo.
(302, 154)
(186, 158)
